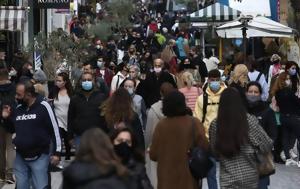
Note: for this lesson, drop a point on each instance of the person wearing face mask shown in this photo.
(126, 148)
(285, 91)
(103, 71)
(206, 110)
(35, 128)
(138, 102)
(84, 112)
(60, 97)
(149, 88)
(267, 119)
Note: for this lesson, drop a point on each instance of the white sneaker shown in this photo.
(291, 162)
(282, 156)
(293, 154)
(298, 164)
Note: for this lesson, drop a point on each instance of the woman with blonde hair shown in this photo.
(190, 92)
(239, 80)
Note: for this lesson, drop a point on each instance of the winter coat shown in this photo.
(212, 110)
(172, 139)
(266, 117)
(84, 113)
(83, 175)
(240, 171)
(149, 88)
(154, 116)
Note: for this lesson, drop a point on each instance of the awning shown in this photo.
(258, 26)
(215, 13)
(12, 18)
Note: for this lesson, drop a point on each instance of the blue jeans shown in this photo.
(212, 176)
(77, 142)
(264, 183)
(35, 171)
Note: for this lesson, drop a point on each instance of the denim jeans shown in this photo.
(264, 183)
(212, 175)
(77, 142)
(35, 171)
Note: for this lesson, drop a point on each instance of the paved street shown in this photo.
(285, 178)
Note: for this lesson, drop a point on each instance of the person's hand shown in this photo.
(6, 111)
(54, 160)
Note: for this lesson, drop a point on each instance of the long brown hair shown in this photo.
(96, 147)
(68, 85)
(232, 124)
(279, 83)
(118, 108)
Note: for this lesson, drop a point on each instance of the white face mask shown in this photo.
(157, 70)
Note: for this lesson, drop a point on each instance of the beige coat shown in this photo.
(154, 116)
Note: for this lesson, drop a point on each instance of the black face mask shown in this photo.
(123, 151)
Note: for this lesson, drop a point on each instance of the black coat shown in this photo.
(84, 113)
(81, 175)
(149, 88)
(266, 117)
(288, 102)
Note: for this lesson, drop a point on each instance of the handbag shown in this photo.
(198, 158)
(265, 163)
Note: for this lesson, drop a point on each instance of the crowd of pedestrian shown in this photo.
(138, 106)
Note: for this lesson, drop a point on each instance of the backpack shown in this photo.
(205, 102)
(259, 76)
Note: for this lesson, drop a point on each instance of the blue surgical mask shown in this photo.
(292, 72)
(87, 85)
(130, 91)
(214, 85)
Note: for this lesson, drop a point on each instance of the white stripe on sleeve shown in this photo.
(55, 126)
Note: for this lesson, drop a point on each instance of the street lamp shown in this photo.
(245, 20)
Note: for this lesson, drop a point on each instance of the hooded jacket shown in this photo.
(35, 127)
(212, 110)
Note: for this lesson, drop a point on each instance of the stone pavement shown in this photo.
(285, 178)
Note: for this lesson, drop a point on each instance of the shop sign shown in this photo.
(50, 4)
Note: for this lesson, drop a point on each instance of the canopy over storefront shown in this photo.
(258, 26)
(215, 13)
(12, 18)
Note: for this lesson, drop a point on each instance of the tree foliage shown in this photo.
(57, 47)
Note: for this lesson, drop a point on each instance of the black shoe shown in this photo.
(279, 160)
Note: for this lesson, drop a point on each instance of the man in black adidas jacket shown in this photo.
(35, 128)
(84, 109)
